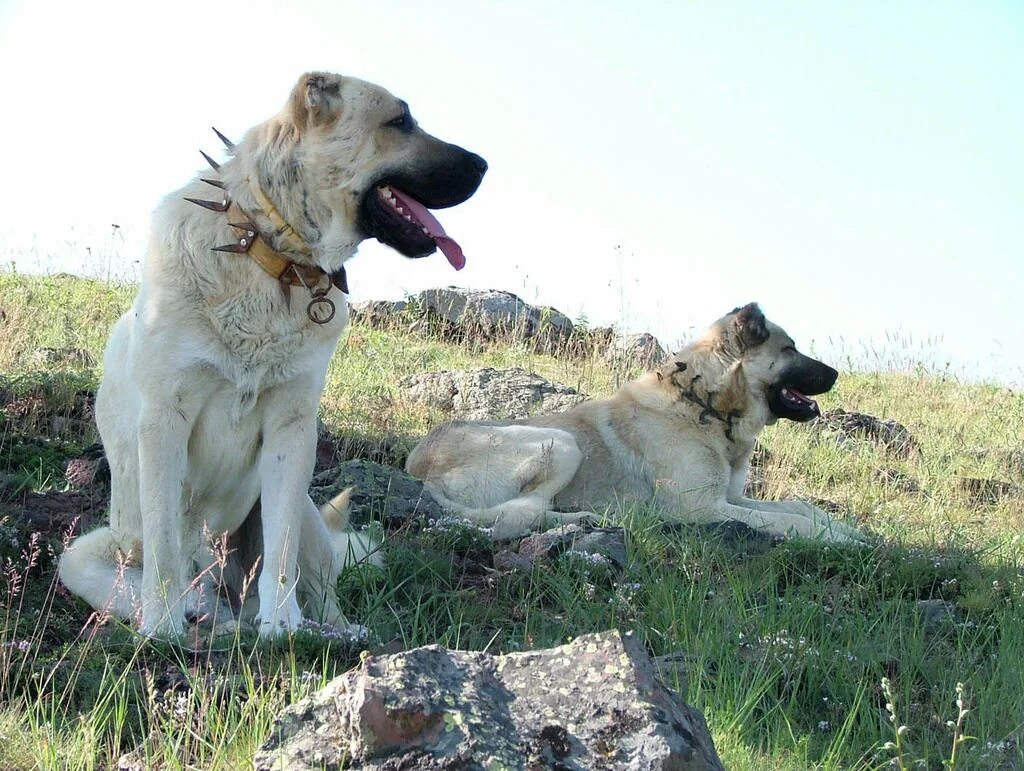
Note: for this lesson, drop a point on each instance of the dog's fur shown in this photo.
(212, 379)
(680, 436)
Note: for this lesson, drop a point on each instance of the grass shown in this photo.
(801, 655)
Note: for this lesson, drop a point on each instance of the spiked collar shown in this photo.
(706, 404)
(255, 245)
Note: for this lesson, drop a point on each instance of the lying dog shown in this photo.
(212, 379)
(681, 436)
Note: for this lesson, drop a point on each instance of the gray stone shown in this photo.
(846, 426)
(641, 351)
(595, 703)
(508, 561)
(608, 542)
(987, 491)
(377, 313)
(489, 394)
(550, 543)
(380, 492)
(895, 479)
(495, 315)
(471, 314)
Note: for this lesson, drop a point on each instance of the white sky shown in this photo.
(856, 168)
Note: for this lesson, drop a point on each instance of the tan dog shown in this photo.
(212, 379)
(680, 436)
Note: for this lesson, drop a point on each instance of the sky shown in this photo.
(857, 168)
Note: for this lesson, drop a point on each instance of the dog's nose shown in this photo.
(478, 163)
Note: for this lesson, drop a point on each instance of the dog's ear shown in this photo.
(670, 370)
(316, 99)
(749, 325)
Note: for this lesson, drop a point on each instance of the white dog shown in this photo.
(212, 379)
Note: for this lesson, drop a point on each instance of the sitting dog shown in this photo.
(212, 378)
(680, 436)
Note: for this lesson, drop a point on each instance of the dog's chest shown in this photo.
(265, 343)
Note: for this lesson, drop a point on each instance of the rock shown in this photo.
(497, 315)
(641, 351)
(91, 468)
(58, 513)
(895, 480)
(550, 543)
(380, 492)
(508, 561)
(888, 434)
(377, 313)
(592, 704)
(489, 394)
(987, 491)
(468, 314)
(607, 542)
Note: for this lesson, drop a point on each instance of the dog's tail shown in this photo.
(357, 547)
(335, 512)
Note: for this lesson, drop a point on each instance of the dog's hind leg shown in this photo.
(530, 472)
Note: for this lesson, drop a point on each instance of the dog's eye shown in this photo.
(403, 122)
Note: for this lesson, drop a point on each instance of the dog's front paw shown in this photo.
(163, 625)
(279, 619)
(588, 518)
(837, 532)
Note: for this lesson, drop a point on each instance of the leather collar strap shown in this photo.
(287, 272)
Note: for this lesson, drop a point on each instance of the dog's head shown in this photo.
(367, 168)
(772, 362)
(758, 359)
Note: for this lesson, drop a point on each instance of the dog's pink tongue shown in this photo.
(449, 246)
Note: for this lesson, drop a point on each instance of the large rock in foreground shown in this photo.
(592, 704)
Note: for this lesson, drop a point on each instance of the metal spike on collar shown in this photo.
(240, 248)
(214, 182)
(227, 142)
(340, 280)
(244, 242)
(213, 164)
(221, 205)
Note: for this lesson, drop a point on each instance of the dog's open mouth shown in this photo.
(797, 401)
(397, 219)
(791, 403)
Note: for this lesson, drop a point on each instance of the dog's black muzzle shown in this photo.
(806, 377)
(440, 175)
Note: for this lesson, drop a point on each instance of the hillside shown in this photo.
(787, 644)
